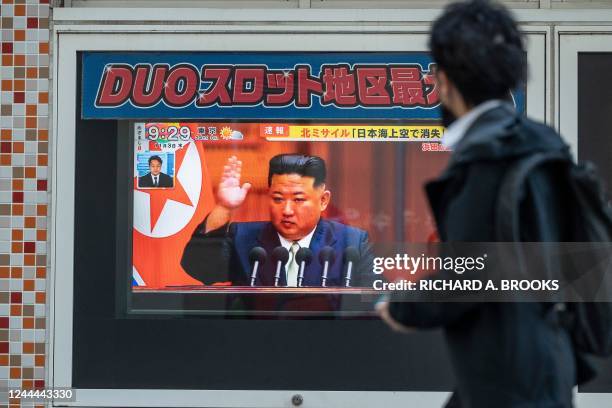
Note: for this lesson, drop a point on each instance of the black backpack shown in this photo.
(589, 323)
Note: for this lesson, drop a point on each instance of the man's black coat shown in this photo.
(503, 354)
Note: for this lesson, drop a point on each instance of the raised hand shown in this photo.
(230, 194)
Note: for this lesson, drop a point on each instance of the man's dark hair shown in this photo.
(479, 47)
(309, 166)
(155, 157)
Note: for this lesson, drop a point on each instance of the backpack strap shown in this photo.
(507, 225)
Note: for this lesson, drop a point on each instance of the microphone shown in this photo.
(327, 256)
(351, 255)
(303, 257)
(280, 255)
(257, 257)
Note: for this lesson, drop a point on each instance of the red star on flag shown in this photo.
(158, 197)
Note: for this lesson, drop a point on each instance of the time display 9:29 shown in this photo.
(169, 133)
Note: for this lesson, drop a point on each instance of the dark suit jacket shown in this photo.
(164, 180)
(503, 354)
(223, 254)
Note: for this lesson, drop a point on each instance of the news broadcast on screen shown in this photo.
(291, 179)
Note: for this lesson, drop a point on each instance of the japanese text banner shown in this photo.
(254, 85)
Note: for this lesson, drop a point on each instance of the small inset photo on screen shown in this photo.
(154, 166)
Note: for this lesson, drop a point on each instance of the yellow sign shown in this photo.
(360, 132)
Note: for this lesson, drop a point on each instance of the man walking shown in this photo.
(503, 354)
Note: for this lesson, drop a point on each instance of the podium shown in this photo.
(256, 301)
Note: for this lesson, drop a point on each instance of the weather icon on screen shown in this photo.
(236, 135)
(227, 133)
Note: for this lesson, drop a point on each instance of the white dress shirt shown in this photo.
(458, 128)
(303, 243)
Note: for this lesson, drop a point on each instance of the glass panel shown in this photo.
(372, 169)
(595, 111)
(595, 145)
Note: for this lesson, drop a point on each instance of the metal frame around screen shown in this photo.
(571, 41)
(70, 39)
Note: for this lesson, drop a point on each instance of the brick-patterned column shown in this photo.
(24, 155)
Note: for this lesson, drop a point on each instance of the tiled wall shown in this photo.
(24, 156)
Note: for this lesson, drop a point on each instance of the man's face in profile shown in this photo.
(155, 167)
(443, 86)
(296, 205)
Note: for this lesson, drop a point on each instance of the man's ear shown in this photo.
(325, 198)
(443, 85)
(449, 94)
